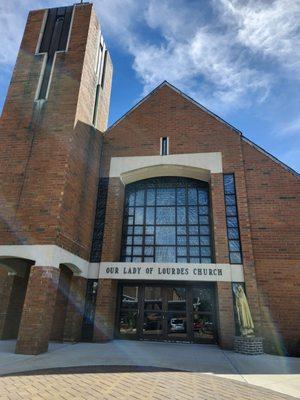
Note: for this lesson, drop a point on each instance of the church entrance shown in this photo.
(167, 312)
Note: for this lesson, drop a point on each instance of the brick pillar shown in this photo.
(75, 309)
(226, 325)
(225, 315)
(105, 310)
(247, 248)
(38, 310)
(112, 237)
(12, 294)
(61, 303)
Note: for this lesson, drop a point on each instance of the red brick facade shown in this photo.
(38, 310)
(269, 234)
(273, 198)
(49, 166)
(75, 309)
(51, 155)
(40, 143)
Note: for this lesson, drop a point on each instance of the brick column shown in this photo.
(112, 237)
(107, 289)
(105, 311)
(61, 303)
(75, 309)
(226, 324)
(225, 315)
(38, 310)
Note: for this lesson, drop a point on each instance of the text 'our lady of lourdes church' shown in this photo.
(169, 225)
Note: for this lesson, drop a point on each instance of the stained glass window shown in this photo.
(233, 235)
(167, 220)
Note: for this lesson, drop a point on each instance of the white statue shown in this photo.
(243, 312)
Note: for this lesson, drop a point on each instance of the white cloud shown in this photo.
(119, 17)
(188, 46)
(270, 28)
(13, 15)
(290, 128)
(10, 31)
(220, 52)
(190, 50)
(291, 157)
(205, 56)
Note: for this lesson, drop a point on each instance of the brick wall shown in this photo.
(113, 221)
(75, 309)
(268, 207)
(38, 310)
(226, 326)
(190, 130)
(105, 310)
(61, 303)
(49, 152)
(49, 172)
(273, 197)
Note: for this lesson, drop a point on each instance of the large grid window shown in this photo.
(167, 220)
(233, 235)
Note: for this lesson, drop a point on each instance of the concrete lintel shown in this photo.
(46, 255)
(194, 165)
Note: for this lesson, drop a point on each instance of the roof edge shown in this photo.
(166, 83)
(273, 158)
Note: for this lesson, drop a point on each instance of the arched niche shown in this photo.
(16, 265)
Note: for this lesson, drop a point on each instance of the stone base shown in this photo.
(248, 345)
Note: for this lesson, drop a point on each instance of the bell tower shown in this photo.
(51, 138)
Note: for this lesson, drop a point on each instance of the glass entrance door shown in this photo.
(129, 311)
(164, 313)
(203, 314)
(176, 313)
(179, 312)
(152, 313)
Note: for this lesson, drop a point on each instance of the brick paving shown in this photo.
(121, 382)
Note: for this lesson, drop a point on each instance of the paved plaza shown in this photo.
(145, 370)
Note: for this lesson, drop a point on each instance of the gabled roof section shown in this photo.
(166, 83)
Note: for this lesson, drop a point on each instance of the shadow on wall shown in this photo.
(14, 274)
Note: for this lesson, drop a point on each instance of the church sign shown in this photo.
(168, 271)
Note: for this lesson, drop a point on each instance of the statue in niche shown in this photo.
(243, 312)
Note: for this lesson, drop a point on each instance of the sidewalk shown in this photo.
(214, 373)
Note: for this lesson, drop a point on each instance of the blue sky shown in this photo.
(240, 59)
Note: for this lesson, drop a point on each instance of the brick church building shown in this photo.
(138, 231)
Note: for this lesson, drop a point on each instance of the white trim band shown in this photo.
(125, 166)
(46, 255)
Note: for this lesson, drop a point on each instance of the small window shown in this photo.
(164, 147)
(104, 69)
